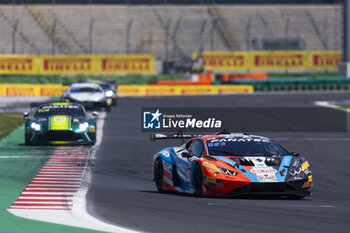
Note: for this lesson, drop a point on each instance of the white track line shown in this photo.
(329, 104)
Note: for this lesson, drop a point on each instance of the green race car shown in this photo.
(60, 123)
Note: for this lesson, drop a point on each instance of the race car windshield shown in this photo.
(245, 148)
(105, 85)
(84, 89)
(74, 111)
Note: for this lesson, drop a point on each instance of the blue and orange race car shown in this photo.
(230, 165)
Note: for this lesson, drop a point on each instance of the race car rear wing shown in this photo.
(179, 135)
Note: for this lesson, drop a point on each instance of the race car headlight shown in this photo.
(109, 93)
(83, 126)
(35, 126)
(228, 172)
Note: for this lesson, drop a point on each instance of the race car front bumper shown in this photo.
(229, 188)
(60, 137)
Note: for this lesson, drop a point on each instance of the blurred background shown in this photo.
(293, 38)
(169, 29)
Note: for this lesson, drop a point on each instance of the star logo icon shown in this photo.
(156, 115)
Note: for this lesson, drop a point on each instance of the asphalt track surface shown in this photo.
(122, 192)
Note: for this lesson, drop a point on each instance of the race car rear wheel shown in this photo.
(158, 174)
(198, 180)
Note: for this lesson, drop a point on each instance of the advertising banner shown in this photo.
(325, 59)
(144, 90)
(31, 90)
(126, 90)
(77, 64)
(270, 60)
(279, 60)
(50, 65)
(17, 64)
(225, 60)
(97, 64)
(126, 64)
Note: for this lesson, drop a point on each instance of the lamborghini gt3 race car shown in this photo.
(60, 123)
(230, 165)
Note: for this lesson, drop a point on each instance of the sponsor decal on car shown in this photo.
(266, 177)
(263, 170)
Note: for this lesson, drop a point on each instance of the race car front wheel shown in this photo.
(158, 174)
(198, 181)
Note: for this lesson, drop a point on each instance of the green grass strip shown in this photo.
(9, 122)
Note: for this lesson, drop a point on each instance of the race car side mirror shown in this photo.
(95, 114)
(296, 154)
(186, 154)
(25, 115)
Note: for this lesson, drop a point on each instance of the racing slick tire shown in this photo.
(198, 181)
(158, 174)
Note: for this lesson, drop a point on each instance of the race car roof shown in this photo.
(60, 105)
(232, 136)
(80, 85)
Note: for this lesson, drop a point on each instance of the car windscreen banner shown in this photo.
(243, 119)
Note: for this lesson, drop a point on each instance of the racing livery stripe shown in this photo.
(248, 174)
(54, 186)
(284, 165)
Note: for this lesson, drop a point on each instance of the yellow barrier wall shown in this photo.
(272, 60)
(145, 90)
(77, 64)
(31, 89)
(126, 90)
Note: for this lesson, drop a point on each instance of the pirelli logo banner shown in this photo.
(274, 60)
(98, 64)
(226, 60)
(31, 90)
(135, 64)
(15, 64)
(66, 65)
(77, 64)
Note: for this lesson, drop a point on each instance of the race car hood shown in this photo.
(59, 122)
(87, 96)
(258, 168)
